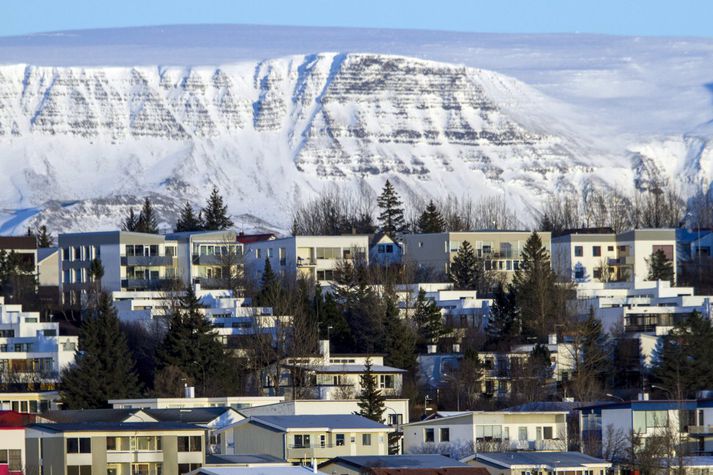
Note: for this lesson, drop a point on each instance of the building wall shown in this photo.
(14, 439)
(253, 439)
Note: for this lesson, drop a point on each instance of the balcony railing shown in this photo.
(699, 430)
(149, 284)
(147, 261)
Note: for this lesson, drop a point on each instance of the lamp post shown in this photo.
(202, 367)
(615, 397)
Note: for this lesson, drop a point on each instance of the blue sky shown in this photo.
(628, 17)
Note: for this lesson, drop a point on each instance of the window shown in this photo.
(395, 419)
(428, 435)
(187, 467)
(79, 445)
(339, 440)
(386, 381)
(13, 458)
(610, 248)
(596, 251)
(301, 441)
(489, 432)
(578, 251)
(7, 333)
(597, 273)
(579, 272)
(189, 443)
(522, 433)
(547, 433)
(79, 470)
(667, 250)
(322, 440)
(366, 439)
(644, 420)
(445, 434)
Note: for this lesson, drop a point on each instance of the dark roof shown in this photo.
(398, 461)
(114, 426)
(14, 419)
(651, 405)
(217, 459)
(18, 242)
(195, 415)
(89, 415)
(600, 230)
(554, 406)
(248, 238)
(331, 421)
(429, 471)
(554, 459)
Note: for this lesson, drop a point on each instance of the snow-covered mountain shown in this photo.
(83, 137)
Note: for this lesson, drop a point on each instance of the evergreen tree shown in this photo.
(399, 338)
(104, 367)
(360, 306)
(503, 323)
(536, 289)
(44, 239)
(215, 213)
(147, 221)
(192, 346)
(131, 222)
(683, 360)
(188, 221)
(467, 272)
(591, 359)
(332, 324)
(269, 292)
(431, 220)
(371, 402)
(660, 267)
(428, 319)
(391, 218)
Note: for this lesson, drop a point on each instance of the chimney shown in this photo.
(189, 392)
(552, 339)
(324, 349)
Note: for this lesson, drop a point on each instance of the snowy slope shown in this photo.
(91, 120)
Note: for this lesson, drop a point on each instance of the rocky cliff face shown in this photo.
(269, 134)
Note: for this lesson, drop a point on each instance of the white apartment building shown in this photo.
(31, 351)
(500, 250)
(332, 376)
(489, 431)
(235, 402)
(311, 256)
(460, 308)
(584, 256)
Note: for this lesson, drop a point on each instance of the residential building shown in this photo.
(211, 259)
(32, 352)
(327, 376)
(384, 251)
(596, 256)
(645, 310)
(24, 248)
(261, 469)
(396, 410)
(300, 439)
(460, 308)
(145, 306)
(131, 261)
(488, 431)
(413, 464)
(501, 368)
(100, 448)
(687, 420)
(48, 266)
(30, 402)
(316, 257)
(235, 402)
(12, 441)
(517, 463)
(500, 250)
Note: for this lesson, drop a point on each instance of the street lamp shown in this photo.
(615, 397)
(426, 400)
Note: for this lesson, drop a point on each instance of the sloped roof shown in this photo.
(91, 415)
(115, 427)
(535, 459)
(15, 420)
(217, 459)
(192, 415)
(325, 421)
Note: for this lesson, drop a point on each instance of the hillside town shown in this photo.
(366, 342)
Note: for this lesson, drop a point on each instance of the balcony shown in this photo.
(306, 262)
(697, 431)
(213, 260)
(147, 261)
(145, 284)
(326, 451)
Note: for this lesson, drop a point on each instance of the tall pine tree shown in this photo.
(399, 337)
(147, 221)
(192, 346)
(215, 213)
(431, 220)
(428, 319)
(130, 222)
(536, 289)
(467, 271)
(391, 218)
(504, 320)
(188, 221)
(104, 367)
(44, 239)
(371, 401)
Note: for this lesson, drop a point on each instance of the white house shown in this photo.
(488, 431)
(32, 351)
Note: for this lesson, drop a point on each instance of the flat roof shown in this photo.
(398, 461)
(116, 427)
(535, 459)
(321, 421)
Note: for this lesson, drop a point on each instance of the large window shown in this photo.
(366, 439)
(445, 434)
(301, 441)
(339, 439)
(644, 420)
(386, 381)
(596, 251)
(489, 432)
(79, 445)
(79, 470)
(13, 458)
(184, 468)
(329, 253)
(189, 443)
(429, 435)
